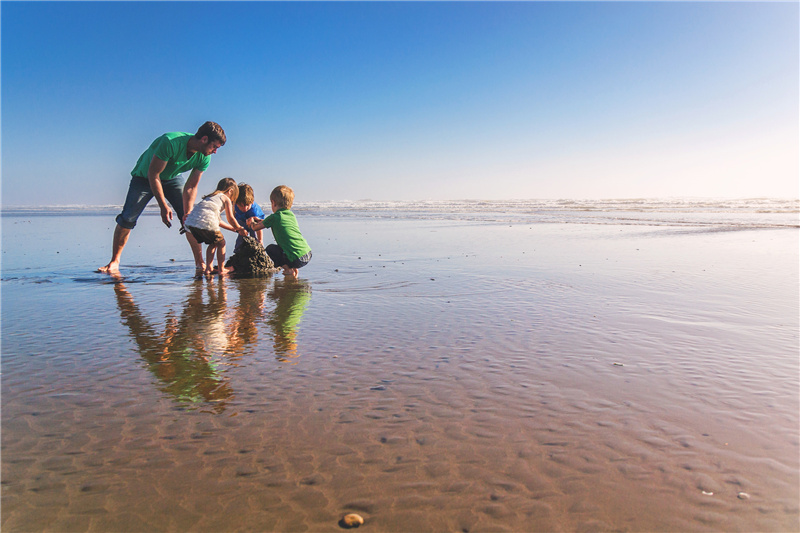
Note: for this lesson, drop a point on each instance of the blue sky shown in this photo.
(406, 100)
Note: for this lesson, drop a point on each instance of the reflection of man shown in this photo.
(182, 357)
(156, 174)
(292, 297)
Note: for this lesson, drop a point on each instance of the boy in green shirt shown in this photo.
(291, 251)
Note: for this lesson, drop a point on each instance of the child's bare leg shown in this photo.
(221, 259)
(210, 258)
(197, 252)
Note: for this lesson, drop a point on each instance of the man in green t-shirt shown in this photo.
(157, 174)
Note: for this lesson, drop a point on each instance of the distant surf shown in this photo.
(694, 212)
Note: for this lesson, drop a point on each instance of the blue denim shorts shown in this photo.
(139, 195)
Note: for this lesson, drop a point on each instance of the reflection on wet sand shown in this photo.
(430, 395)
(291, 297)
(188, 353)
(184, 356)
(246, 315)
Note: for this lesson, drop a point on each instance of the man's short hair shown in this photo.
(246, 195)
(213, 131)
(283, 196)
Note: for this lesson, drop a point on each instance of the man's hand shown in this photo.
(157, 166)
(166, 215)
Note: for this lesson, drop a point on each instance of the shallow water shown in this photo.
(429, 375)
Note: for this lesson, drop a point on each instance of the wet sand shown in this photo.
(430, 376)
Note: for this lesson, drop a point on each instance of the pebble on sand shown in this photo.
(351, 520)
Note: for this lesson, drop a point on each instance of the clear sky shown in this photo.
(406, 100)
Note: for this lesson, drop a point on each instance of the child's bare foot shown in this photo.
(290, 272)
(224, 271)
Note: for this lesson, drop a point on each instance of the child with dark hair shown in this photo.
(245, 209)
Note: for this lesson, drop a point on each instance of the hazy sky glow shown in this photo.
(407, 100)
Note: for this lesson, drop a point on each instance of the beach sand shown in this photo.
(428, 375)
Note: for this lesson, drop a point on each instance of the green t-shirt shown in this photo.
(171, 147)
(287, 234)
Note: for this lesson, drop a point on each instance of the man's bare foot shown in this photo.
(111, 268)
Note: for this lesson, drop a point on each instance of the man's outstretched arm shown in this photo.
(154, 171)
(190, 191)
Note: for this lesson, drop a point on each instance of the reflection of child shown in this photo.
(204, 222)
(245, 209)
(292, 298)
(292, 251)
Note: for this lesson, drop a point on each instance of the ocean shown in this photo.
(741, 213)
(531, 365)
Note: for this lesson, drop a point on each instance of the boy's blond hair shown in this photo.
(283, 196)
(246, 195)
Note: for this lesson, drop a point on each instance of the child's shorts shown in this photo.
(279, 258)
(206, 236)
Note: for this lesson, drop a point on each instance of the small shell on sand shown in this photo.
(351, 520)
(744, 496)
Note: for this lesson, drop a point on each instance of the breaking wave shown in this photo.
(695, 212)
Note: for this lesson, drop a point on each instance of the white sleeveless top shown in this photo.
(205, 214)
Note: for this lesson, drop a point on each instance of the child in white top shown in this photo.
(204, 222)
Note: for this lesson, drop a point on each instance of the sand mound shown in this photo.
(251, 259)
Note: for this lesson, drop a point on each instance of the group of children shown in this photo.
(246, 217)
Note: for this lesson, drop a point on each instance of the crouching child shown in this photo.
(291, 252)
